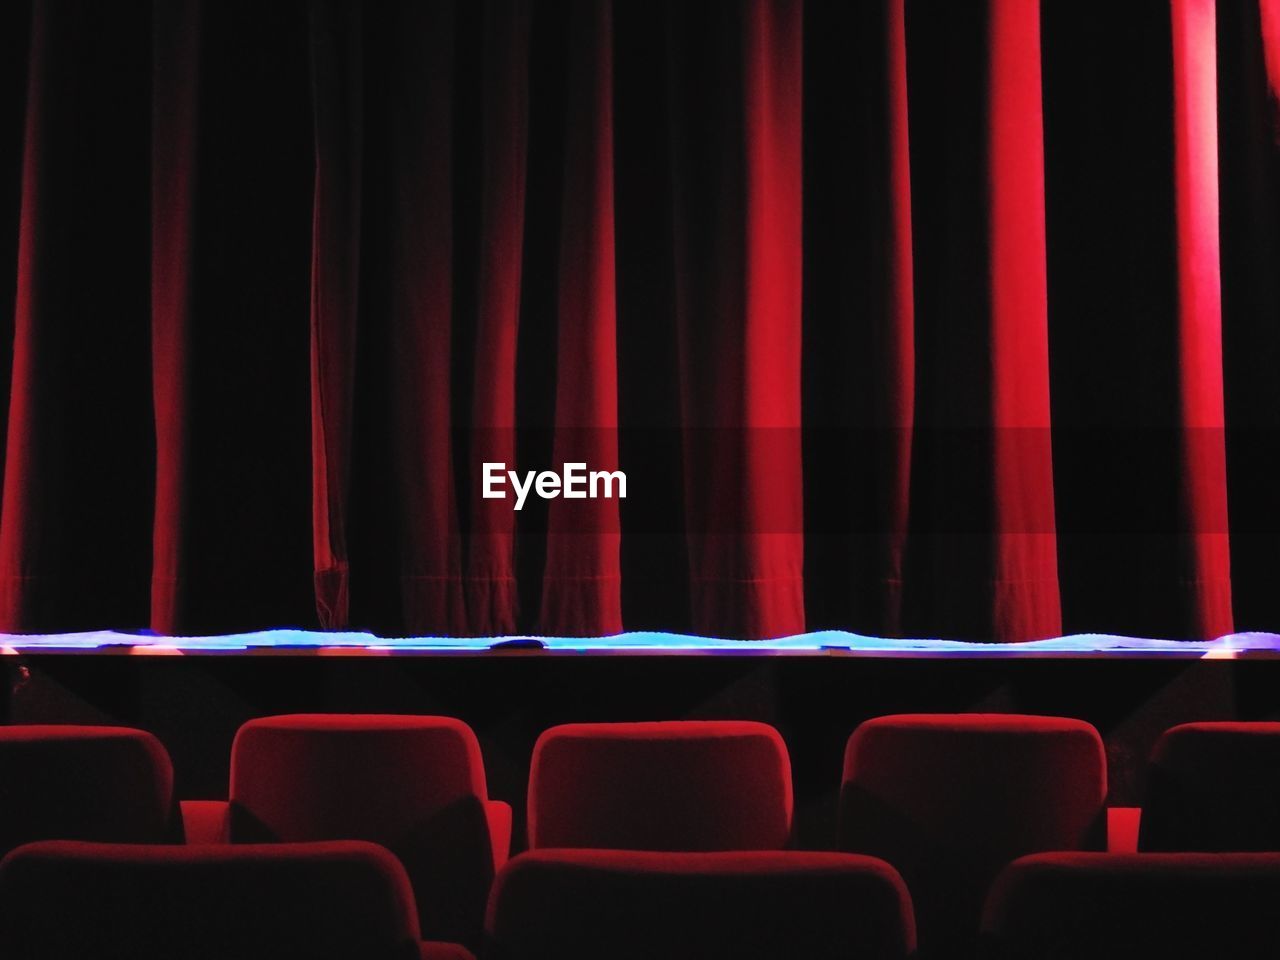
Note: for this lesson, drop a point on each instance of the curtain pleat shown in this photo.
(231, 192)
(493, 599)
(173, 175)
(1135, 324)
(859, 320)
(735, 89)
(1025, 578)
(1248, 80)
(983, 535)
(900, 317)
(420, 44)
(581, 584)
(337, 71)
(1208, 572)
(15, 31)
(76, 484)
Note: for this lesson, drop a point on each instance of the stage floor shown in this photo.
(827, 643)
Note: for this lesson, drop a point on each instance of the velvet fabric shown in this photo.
(678, 785)
(949, 800)
(1090, 906)
(949, 320)
(84, 783)
(580, 904)
(329, 901)
(413, 784)
(1213, 787)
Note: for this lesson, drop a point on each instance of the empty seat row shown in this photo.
(948, 801)
(576, 904)
(342, 900)
(588, 904)
(1108, 906)
(414, 785)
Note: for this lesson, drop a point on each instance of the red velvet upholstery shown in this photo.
(435, 950)
(950, 799)
(684, 785)
(206, 821)
(1122, 829)
(84, 783)
(413, 784)
(65, 900)
(1106, 906)
(1214, 786)
(620, 905)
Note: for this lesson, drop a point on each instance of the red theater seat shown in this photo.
(63, 900)
(950, 799)
(628, 905)
(1106, 906)
(413, 784)
(1214, 786)
(682, 785)
(84, 783)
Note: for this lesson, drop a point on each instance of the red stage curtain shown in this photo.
(904, 318)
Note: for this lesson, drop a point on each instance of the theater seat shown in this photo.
(1106, 906)
(1214, 786)
(63, 900)
(951, 799)
(683, 785)
(628, 905)
(84, 783)
(414, 784)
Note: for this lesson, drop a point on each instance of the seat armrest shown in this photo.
(435, 950)
(498, 813)
(206, 821)
(1122, 829)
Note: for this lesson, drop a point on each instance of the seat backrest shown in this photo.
(683, 785)
(1107, 906)
(66, 900)
(1213, 787)
(413, 784)
(83, 783)
(754, 905)
(949, 800)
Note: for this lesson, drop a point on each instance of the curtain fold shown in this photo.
(900, 317)
(1204, 494)
(735, 87)
(983, 538)
(493, 598)
(231, 193)
(420, 44)
(1026, 594)
(1248, 82)
(174, 171)
(1135, 322)
(859, 317)
(581, 584)
(76, 495)
(337, 71)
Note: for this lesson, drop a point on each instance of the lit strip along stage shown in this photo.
(826, 643)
